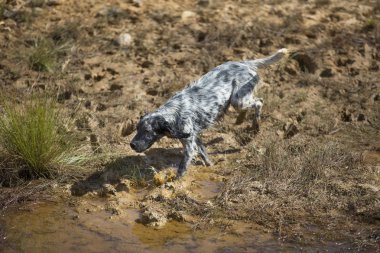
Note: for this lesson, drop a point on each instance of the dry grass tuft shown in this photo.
(299, 178)
(66, 33)
(35, 140)
(43, 55)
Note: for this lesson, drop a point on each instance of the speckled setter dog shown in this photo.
(198, 106)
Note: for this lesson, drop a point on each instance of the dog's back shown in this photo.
(206, 99)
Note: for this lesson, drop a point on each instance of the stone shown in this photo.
(204, 3)
(137, 3)
(107, 190)
(153, 218)
(66, 95)
(53, 2)
(101, 107)
(115, 86)
(147, 64)
(188, 15)
(361, 117)
(124, 40)
(123, 186)
(346, 116)
(290, 129)
(326, 73)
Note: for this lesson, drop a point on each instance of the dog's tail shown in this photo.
(264, 62)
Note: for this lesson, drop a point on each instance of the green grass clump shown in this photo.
(34, 137)
(43, 55)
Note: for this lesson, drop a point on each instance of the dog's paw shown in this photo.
(283, 51)
(256, 125)
(181, 173)
(209, 163)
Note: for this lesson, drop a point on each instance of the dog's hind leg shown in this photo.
(242, 100)
(202, 152)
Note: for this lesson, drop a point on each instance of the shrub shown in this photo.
(34, 137)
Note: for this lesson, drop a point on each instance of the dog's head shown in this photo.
(150, 129)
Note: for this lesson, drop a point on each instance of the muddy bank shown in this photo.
(62, 227)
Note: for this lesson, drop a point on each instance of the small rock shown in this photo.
(204, 3)
(147, 64)
(137, 3)
(152, 92)
(290, 130)
(87, 76)
(154, 218)
(53, 2)
(176, 215)
(98, 76)
(257, 186)
(101, 107)
(361, 117)
(326, 73)
(354, 71)
(112, 71)
(115, 86)
(124, 40)
(346, 116)
(169, 186)
(87, 104)
(66, 95)
(127, 128)
(342, 62)
(280, 133)
(187, 15)
(107, 190)
(123, 186)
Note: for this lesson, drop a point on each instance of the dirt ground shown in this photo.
(118, 59)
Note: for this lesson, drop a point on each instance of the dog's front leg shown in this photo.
(190, 147)
(202, 152)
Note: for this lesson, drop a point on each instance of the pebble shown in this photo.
(124, 40)
(187, 15)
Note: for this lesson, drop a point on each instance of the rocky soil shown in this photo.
(114, 61)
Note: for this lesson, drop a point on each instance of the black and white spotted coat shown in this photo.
(198, 106)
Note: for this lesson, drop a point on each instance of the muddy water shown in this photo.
(63, 227)
(56, 227)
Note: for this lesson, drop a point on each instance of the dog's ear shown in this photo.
(166, 128)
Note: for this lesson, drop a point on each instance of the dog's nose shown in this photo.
(133, 146)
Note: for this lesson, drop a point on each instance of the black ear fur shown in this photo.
(166, 127)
